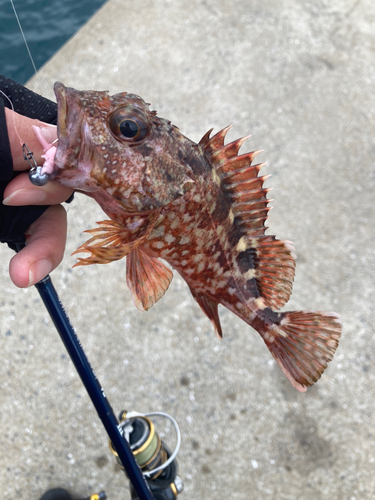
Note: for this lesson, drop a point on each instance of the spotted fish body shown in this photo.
(201, 208)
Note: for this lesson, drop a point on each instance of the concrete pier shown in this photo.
(300, 77)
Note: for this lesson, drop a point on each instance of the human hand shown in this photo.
(46, 237)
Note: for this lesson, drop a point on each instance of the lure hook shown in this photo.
(36, 175)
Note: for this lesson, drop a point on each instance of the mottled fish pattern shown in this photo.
(200, 207)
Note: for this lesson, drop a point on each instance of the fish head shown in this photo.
(116, 147)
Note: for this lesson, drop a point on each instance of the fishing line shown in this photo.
(36, 174)
(14, 121)
(23, 35)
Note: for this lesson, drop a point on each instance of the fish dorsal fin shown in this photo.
(148, 279)
(113, 240)
(273, 260)
(210, 308)
(274, 270)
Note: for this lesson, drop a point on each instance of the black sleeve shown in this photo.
(14, 221)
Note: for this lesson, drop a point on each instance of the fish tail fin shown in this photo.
(303, 343)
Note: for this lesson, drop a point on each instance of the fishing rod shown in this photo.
(146, 460)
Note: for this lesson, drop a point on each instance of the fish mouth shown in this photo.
(60, 93)
(69, 134)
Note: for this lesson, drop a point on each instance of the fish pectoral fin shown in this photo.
(210, 308)
(113, 240)
(148, 279)
(303, 344)
(109, 242)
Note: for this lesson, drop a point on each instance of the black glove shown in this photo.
(14, 221)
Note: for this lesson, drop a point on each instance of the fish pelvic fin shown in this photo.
(148, 279)
(303, 343)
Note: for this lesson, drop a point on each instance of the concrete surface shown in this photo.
(299, 76)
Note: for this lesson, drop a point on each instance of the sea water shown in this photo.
(47, 25)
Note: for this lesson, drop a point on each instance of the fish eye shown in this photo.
(128, 124)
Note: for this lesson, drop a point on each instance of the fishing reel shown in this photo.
(158, 464)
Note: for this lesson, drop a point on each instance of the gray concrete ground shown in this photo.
(299, 76)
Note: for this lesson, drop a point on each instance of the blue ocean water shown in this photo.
(47, 25)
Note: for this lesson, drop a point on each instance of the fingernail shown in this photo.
(49, 132)
(26, 197)
(39, 270)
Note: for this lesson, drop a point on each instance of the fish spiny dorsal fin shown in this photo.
(210, 145)
(203, 142)
(271, 262)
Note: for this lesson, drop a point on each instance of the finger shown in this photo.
(44, 250)
(20, 131)
(21, 192)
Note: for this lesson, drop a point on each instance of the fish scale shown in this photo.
(200, 207)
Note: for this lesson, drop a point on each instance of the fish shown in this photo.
(200, 208)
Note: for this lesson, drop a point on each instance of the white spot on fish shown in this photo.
(231, 216)
(201, 266)
(212, 207)
(269, 337)
(242, 244)
(169, 238)
(198, 257)
(199, 242)
(249, 274)
(158, 232)
(186, 218)
(197, 198)
(184, 240)
(157, 244)
(259, 302)
(231, 291)
(216, 178)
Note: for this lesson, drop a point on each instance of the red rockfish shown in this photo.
(199, 207)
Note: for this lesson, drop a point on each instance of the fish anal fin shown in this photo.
(303, 344)
(210, 308)
(274, 270)
(147, 277)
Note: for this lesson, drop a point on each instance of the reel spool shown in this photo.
(158, 464)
